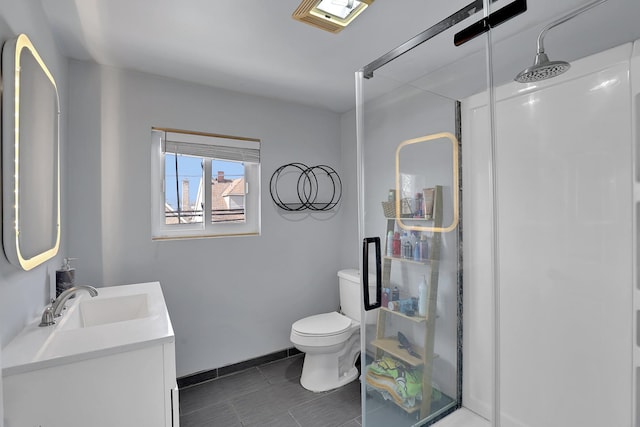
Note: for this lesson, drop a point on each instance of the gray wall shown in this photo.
(24, 294)
(230, 299)
(350, 248)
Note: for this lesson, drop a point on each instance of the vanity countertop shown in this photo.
(72, 338)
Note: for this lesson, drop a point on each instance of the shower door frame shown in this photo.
(484, 25)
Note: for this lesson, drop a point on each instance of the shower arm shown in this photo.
(564, 19)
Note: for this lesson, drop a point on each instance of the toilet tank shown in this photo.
(351, 294)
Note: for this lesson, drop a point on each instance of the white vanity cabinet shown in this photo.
(132, 388)
(123, 375)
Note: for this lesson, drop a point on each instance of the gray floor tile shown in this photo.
(283, 370)
(221, 414)
(390, 414)
(221, 389)
(331, 410)
(269, 396)
(283, 420)
(271, 401)
(349, 393)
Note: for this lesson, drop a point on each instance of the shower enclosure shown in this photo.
(499, 217)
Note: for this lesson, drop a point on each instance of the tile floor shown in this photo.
(268, 395)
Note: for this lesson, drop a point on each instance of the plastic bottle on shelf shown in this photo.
(407, 248)
(422, 297)
(390, 243)
(416, 252)
(396, 244)
(424, 247)
(385, 296)
(418, 211)
(395, 294)
(413, 237)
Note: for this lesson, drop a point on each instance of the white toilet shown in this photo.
(331, 341)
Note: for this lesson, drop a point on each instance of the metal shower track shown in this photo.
(483, 25)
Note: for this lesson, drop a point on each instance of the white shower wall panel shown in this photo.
(564, 173)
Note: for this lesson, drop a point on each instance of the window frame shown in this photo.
(251, 226)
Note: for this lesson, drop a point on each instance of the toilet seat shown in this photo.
(323, 330)
(322, 325)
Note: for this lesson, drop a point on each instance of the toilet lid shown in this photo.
(322, 324)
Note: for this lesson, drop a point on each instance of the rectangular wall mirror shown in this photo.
(30, 156)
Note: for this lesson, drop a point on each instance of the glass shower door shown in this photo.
(409, 138)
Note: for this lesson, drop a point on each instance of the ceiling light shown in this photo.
(330, 15)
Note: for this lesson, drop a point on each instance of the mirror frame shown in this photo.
(11, 165)
(406, 225)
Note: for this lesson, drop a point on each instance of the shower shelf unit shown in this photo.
(389, 344)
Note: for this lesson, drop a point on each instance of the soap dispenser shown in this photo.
(65, 277)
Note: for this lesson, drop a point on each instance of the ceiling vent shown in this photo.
(330, 15)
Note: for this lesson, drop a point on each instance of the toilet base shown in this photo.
(320, 373)
(329, 360)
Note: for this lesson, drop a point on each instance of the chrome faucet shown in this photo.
(58, 305)
(47, 317)
(55, 309)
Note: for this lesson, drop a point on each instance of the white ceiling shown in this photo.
(254, 46)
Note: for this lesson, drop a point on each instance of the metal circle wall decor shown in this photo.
(307, 187)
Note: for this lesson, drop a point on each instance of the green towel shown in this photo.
(408, 380)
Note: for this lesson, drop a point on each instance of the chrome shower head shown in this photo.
(542, 68)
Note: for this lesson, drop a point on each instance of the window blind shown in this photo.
(214, 147)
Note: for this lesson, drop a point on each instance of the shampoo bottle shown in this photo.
(422, 297)
(390, 243)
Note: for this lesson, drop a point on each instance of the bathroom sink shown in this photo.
(99, 311)
(119, 318)
(111, 357)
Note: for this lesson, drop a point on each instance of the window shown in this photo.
(204, 185)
